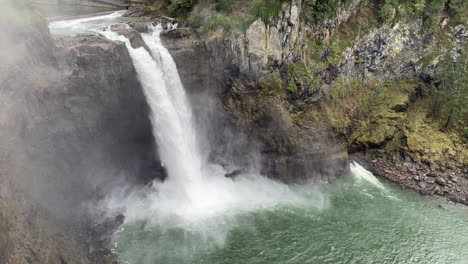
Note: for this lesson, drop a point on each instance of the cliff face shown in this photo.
(74, 123)
(310, 90)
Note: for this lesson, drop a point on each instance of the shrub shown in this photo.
(292, 87)
(180, 8)
(417, 7)
(271, 84)
(387, 11)
(222, 5)
(325, 8)
(319, 10)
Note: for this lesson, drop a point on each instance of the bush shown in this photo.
(432, 12)
(387, 11)
(180, 8)
(292, 87)
(325, 8)
(272, 84)
(222, 5)
(417, 7)
(319, 10)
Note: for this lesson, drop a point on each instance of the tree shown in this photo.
(452, 76)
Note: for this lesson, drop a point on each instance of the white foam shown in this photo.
(364, 175)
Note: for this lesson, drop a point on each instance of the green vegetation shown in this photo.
(222, 5)
(271, 85)
(383, 115)
(452, 90)
(387, 10)
(265, 9)
(298, 79)
(322, 53)
(180, 8)
(315, 11)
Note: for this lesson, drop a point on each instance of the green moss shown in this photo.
(429, 144)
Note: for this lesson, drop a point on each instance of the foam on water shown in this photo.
(364, 175)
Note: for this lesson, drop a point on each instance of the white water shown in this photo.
(196, 192)
(82, 25)
(364, 175)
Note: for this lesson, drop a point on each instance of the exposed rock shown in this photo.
(177, 33)
(392, 168)
(440, 180)
(134, 36)
(386, 52)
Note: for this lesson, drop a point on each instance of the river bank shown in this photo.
(408, 174)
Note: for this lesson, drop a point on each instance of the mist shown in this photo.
(67, 136)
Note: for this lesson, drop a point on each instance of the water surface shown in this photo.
(364, 221)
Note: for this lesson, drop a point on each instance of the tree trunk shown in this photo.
(449, 117)
(435, 104)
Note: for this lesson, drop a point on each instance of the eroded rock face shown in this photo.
(294, 149)
(386, 52)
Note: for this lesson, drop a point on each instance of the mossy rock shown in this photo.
(431, 145)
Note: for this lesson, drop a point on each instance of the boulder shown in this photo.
(441, 181)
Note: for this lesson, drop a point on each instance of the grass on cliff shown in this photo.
(235, 15)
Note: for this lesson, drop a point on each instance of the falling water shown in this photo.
(196, 188)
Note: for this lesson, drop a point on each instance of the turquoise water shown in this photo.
(355, 220)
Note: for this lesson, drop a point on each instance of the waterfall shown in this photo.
(196, 189)
(171, 113)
